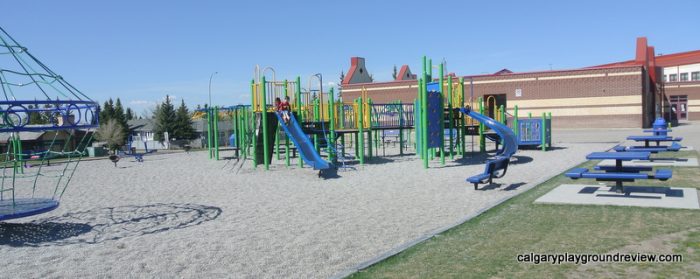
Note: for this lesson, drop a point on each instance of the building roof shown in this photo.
(677, 59)
(141, 125)
(26, 136)
(405, 74)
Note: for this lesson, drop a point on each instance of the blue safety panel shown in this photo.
(19, 208)
(433, 87)
(625, 156)
(530, 131)
(435, 113)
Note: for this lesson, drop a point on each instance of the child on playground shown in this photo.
(283, 108)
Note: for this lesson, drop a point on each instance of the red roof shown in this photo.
(681, 58)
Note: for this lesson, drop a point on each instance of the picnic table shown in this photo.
(657, 139)
(619, 173)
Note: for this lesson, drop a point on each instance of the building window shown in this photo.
(695, 76)
(665, 78)
(684, 77)
(672, 77)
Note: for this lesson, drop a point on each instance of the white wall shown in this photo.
(678, 70)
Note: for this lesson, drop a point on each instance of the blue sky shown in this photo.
(142, 50)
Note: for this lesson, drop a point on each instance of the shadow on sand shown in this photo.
(104, 224)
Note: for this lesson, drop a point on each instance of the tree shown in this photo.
(183, 128)
(371, 78)
(111, 133)
(342, 77)
(129, 114)
(37, 117)
(395, 73)
(107, 111)
(165, 119)
(118, 114)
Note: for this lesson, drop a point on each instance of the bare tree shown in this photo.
(111, 133)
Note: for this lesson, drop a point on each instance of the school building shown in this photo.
(626, 94)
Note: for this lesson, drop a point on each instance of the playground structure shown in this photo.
(322, 127)
(37, 99)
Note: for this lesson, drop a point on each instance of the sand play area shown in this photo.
(183, 215)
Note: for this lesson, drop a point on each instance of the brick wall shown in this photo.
(603, 97)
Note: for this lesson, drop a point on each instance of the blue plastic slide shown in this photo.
(510, 142)
(303, 143)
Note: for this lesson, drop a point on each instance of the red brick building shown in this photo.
(622, 94)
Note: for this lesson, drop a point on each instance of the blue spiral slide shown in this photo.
(510, 142)
(303, 143)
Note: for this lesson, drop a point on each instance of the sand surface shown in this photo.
(183, 215)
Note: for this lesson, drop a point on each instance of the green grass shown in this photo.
(487, 245)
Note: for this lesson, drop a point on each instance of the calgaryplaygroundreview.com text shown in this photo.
(565, 258)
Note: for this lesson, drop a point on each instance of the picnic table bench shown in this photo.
(653, 149)
(655, 138)
(619, 173)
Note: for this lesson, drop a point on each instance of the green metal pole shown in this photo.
(216, 131)
(482, 140)
(449, 111)
(369, 130)
(277, 143)
(544, 128)
(300, 117)
(209, 142)
(331, 118)
(286, 137)
(503, 115)
(416, 120)
(462, 120)
(401, 124)
(361, 137)
(263, 114)
(549, 116)
(424, 120)
(442, 112)
(316, 119)
(253, 109)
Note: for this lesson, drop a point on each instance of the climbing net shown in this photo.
(45, 126)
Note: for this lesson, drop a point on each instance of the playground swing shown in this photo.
(29, 108)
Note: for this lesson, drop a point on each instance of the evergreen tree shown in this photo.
(120, 117)
(342, 77)
(107, 111)
(165, 120)
(395, 73)
(129, 114)
(183, 128)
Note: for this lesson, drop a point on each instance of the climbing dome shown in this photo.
(45, 126)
